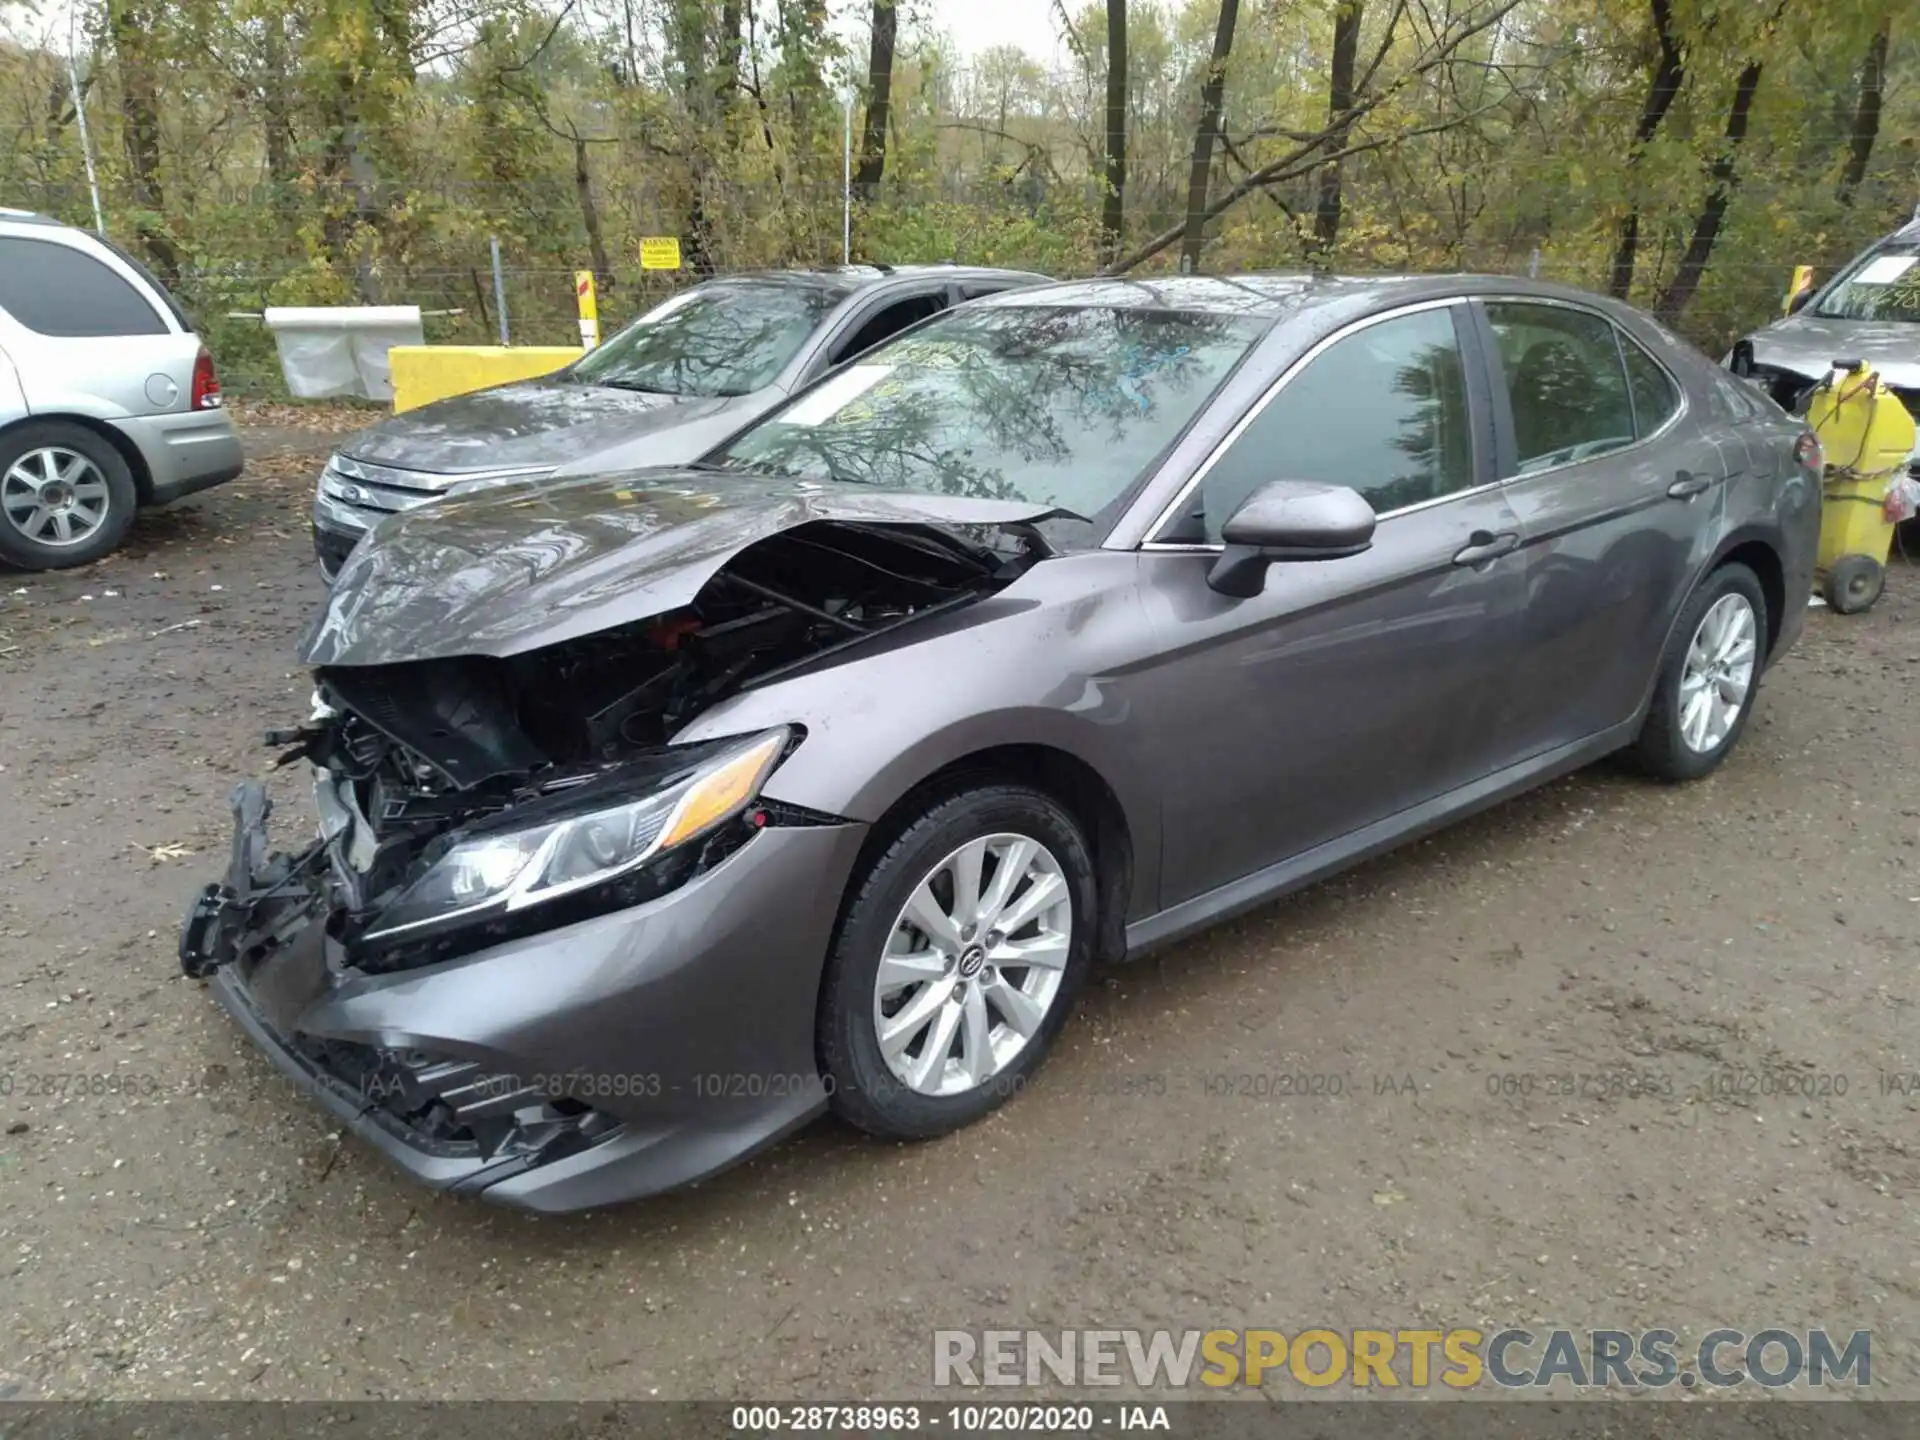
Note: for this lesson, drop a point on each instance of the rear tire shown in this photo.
(66, 496)
(1695, 719)
(989, 1020)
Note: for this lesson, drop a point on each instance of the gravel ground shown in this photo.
(199, 1230)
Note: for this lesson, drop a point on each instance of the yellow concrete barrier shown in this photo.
(425, 373)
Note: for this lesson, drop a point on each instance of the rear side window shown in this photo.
(132, 262)
(56, 290)
(1655, 397)
(888, 323)
(1565, 381)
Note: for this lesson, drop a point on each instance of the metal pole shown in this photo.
(86, 138)
(499, 290)
(846, 182)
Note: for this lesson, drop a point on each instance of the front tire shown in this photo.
(957, 959)
(66, 496)
(1709, 676)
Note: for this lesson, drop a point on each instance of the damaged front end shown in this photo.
(468, 803)
(468, 799)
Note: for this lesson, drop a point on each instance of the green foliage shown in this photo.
(332, 151)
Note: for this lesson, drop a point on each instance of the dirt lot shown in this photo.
(210, 1234)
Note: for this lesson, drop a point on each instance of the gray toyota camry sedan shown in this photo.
(660, 812)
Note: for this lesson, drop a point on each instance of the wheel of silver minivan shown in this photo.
(66, 496)
(956, 962)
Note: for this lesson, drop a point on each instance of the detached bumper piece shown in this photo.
(454, 1123)
(265, 901)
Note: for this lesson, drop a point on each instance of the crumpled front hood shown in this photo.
(1808, 344)
(512, 569)
(534, 422)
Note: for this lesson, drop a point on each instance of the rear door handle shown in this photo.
(1484, 545)
(1688, 485)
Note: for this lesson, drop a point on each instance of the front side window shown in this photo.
(56, 290)
(1565, 381)
(1048, 404)
(1885, 286)
(1383, 411)
(728, 337)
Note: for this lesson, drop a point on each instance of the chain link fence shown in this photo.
(430, 246)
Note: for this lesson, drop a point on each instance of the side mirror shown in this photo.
(1285, 521)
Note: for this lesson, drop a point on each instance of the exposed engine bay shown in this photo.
(460, 759)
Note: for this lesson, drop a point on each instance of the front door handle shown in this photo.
(1687, 485)
(1484, 545)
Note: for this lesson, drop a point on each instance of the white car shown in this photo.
(108, 400)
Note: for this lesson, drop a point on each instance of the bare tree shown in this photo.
(873, 129)
(1725, 180)
(1866, 111)
(1340, 96)
(1314, 149)
(132, 28)
(1113, 205)
(511, 77)
(1669, 74)
(1213, 90)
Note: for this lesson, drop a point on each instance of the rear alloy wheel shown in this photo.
(1708, 677)
(66, 496)
(956, 962)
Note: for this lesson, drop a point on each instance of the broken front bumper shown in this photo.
(603, 1061)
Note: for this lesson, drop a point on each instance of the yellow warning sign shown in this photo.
(659, 252)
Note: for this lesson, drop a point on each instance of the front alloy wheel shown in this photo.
(964, 938)
(973, 964)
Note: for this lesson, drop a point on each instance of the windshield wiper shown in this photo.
(635, 386)
(731, 466)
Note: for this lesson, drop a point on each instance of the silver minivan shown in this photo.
(108, 400)
(1869, 310)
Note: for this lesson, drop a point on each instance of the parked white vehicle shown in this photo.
(108, 400)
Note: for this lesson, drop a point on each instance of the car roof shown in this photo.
(29, 217)
(1274, 296)
(851, 279)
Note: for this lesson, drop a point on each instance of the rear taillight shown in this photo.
(206, 384)
(1807, 451)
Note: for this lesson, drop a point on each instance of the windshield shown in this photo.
(1886, 286)
(1050, 405)
(728, 337)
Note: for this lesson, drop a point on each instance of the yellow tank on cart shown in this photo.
(1867, 437)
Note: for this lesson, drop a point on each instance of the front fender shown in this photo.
(1046, 662)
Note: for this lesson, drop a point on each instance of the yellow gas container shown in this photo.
(1867, 437)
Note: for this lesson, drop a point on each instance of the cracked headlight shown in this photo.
(509, 870)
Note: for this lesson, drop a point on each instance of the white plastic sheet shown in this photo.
(341, 350)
